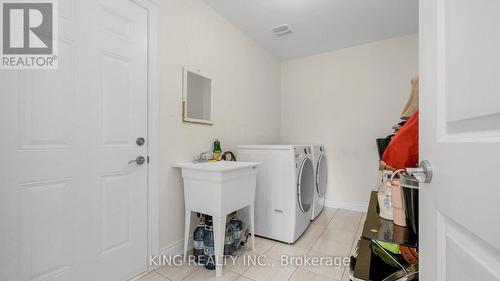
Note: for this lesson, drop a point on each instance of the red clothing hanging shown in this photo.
(402, 151)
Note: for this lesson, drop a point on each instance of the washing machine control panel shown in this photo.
(305, 150)
(302, 152)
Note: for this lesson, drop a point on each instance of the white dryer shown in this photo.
(285, 189)
(321, 178)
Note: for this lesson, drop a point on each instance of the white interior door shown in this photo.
(71, 207)
(460, 136)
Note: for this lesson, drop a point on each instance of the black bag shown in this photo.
(382, 144)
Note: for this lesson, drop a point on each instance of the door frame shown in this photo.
(153, 222)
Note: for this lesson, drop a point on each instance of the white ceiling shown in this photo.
(319, 25)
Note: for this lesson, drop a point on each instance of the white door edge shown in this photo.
(153, 129)
(458, 64)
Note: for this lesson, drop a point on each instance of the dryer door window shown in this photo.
(305, 185)
(321, 176)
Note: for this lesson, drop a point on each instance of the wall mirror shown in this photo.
(197, 97)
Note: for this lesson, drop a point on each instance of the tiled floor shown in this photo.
(333, 234)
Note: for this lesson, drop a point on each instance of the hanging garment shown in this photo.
(412, 104)
(402, 151)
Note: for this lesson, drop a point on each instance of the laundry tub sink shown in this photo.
(218, 189)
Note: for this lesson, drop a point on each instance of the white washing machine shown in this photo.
(321, 178)
(285, 189)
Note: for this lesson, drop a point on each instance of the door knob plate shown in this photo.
(140, 160)
(140, 141)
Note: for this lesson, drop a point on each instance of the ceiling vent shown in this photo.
(281, 30)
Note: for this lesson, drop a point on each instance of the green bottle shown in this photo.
(217, 149)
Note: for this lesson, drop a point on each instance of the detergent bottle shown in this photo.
(217, 150)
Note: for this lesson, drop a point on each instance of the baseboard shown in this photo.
(173, 249)
(347, 205)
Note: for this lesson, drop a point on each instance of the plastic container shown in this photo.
(198, 242)
(237, 225)
(209, 248)
(398, 211)
(384, 196)
(229, 240)
(397, 201)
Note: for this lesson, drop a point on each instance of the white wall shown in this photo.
(246, 89)
(345, 99)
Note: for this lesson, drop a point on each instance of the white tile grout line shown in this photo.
(354, 238)
(169, 278)
(310, 249)
(335, 211)
(199, 268)
(291, 275)
(323, 231)
(161, 274)
(245, 277)
(154, 272)
(296, 267)
(326, 228)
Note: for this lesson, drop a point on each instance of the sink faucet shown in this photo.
(203, 157)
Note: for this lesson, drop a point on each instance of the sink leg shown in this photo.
(252, 224)
(219, 233)
(187, 226)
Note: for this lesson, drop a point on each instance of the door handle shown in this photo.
(423, 173)
(139, 160)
